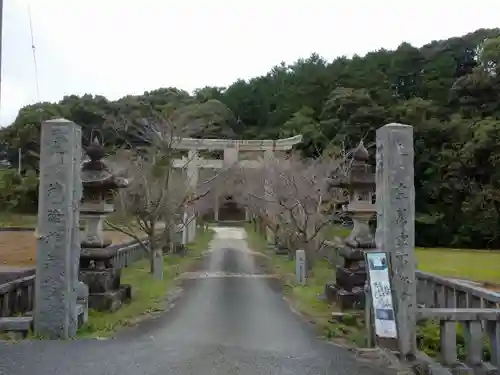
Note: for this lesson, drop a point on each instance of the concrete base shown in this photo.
(350, 279)
(112, 300)
(105, 291)
(101, 280)
(21, 324)
(344, 299)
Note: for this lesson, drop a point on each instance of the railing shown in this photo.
(469, 348)
(129, 253)
(17, 296)
(481, 343)
(448, 302)
(440, 292)
(133, 251)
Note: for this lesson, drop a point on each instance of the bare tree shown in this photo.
(157, 197)
(294, 199)
(141, 207)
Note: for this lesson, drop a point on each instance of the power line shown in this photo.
(1, 42)
(33, 49)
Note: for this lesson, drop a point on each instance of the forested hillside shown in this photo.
(448, 90)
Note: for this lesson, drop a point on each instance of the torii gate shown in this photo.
(231, 150)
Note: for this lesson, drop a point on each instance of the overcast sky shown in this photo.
(119, 47)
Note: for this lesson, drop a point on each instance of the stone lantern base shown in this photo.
(103, 280)
(347, 292)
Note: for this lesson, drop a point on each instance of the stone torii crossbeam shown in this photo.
(192, 163)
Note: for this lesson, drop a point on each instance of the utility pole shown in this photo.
(1, 42)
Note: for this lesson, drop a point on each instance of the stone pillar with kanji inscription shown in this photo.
(268, 157)
(395, 232)
(57, 248)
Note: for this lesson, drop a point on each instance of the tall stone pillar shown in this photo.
(57, 245)
(231, 155)
(192, 177)
(268, 157)
(396, 224)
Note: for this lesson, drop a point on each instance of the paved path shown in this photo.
(229, 320)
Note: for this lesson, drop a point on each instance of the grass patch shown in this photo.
(307, 299)
(148, 295)
(336, 231)
(478, 265)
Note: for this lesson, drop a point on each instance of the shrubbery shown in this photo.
(448, 90)
(18, 193)
(428, 340)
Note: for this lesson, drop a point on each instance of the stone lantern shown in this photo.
(96, 265)
(348, 289)
(99, 184)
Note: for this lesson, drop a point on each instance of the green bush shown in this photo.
(18, 193)
(428, 340)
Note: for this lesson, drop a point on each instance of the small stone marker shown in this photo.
(396, 224)
(56, 283)
(300, 267)
(185, 233)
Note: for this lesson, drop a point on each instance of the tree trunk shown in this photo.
(167, 239)
(151, 255)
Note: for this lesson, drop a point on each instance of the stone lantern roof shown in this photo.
(96, 173)
(360, 173)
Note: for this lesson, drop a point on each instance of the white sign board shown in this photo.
(381, 291)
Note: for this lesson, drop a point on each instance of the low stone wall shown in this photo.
(435, 291)
(17, 296)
